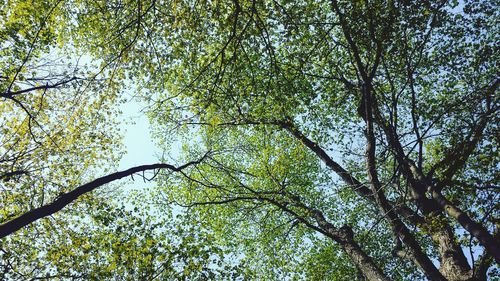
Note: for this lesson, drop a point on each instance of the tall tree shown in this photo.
(393, 101)
(59, 112)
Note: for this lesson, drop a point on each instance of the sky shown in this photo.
(137, 141)
(139, 146)
(139, 149)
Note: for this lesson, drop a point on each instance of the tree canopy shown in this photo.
(321, 140)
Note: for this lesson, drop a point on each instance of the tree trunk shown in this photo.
(453, 264)
(363, 262)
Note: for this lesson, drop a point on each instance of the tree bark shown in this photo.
(345, 237)
(398, 228)
(475, 229)
(453, 264)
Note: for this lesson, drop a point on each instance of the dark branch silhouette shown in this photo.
(67, 198)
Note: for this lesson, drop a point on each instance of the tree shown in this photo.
(354, 136)
(58, 114)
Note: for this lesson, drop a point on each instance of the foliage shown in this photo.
(336, 139)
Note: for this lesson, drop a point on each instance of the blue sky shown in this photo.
(137, 141)
(139, 146)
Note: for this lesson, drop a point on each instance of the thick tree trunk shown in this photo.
(363, 262)
(453, 264)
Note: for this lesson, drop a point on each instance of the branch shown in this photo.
(364, 191)
(482, 266)
(9, 94)
(347, 34)
(485, 238)
(355, 184)
(67, 198)
(398, 228)
(343, 235)
(8, 175)
(458, 156)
